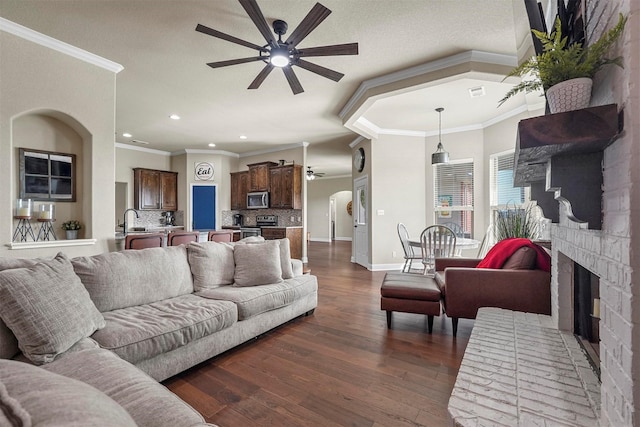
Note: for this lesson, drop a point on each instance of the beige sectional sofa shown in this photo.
(121, 321)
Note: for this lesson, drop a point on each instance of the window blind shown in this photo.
(453, 185)
(502, 190)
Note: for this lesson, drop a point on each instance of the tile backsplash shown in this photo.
(286, 217)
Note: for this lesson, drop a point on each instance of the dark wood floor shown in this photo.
(338, 367)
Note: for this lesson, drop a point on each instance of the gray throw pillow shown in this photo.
(47, 308)
(257, 264)
(285, 259)
(211, 263)
(32, 396)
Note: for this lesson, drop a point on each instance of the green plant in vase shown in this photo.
(71, 228)
(516, 222)
(561, 64)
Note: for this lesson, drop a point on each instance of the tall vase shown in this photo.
(72, 234)
(570, 95)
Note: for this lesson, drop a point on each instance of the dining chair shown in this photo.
(456, 228)
(436, 241)
(175, 238)
(220, 236)
(142, 241)
(487, 242)
(409, 254)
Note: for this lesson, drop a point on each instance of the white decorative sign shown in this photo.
(204, 171)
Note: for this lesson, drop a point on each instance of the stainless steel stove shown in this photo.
(261, 221)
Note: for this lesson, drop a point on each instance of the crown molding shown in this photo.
(203, 151)
(143, 149)
(275, 149)
(429, 67)
(57, 45)
(356, 141)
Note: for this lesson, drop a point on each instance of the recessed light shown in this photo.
(243, 136)
(127, 135)
(212, 145)
(174, 117)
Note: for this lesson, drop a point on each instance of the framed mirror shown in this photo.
(47, 176)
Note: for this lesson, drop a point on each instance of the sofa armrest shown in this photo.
(297, 267)
(442, 263)
(468, 289)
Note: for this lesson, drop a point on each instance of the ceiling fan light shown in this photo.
(310, 177)
(279, 56)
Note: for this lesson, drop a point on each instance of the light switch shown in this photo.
(380, 212)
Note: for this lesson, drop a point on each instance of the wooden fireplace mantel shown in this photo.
(559, 156)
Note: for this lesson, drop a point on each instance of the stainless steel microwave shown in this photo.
(258, 200)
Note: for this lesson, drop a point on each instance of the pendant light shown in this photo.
(440, 156)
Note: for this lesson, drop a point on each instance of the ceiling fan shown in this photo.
(283, 54)
(311, 175)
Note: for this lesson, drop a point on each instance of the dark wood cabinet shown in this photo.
(259, 176)
(239, 189)
(294, 234)
(286, 187)
(155, 189)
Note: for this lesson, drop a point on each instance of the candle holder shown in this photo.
(46, 211)
(24, 208)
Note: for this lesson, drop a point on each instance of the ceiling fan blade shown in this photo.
(315, 16)
(322, 71)
(294, 83)
(331, 50)
(227, 37)
(254, 12)
(219, 64)
(255, 84)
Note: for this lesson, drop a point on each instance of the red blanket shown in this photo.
(501, 251)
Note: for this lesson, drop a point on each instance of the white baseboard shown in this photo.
(386, 267)
(320, 239)
(344, 239)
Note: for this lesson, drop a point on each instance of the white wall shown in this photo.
(39, 80)
(344, 221)
(319, 191)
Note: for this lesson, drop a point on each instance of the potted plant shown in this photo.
(71, 228)
(560, 67)
(515, 221)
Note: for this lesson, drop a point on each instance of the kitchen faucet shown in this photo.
(124, 224)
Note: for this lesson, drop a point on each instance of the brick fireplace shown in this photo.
(609, 252)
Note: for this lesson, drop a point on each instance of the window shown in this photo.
(46, 175)
(503, 193)
(453, 190)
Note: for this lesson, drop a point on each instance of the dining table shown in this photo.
(462, 243)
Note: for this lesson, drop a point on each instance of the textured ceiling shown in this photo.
(164, 67)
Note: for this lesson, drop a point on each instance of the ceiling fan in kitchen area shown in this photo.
(283, 54)
(311, 175)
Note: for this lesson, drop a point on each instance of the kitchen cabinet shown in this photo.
(155, 189)
(286, 187)
(294, 234)
(259, 176)
(239, 189)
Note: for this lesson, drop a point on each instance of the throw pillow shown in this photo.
(522, 259)
(285, 258)
(47, 308)
(212, 264)
(257, 264)
(32, 396)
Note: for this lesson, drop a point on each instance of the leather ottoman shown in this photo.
(410, 293)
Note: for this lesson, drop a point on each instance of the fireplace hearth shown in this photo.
(586, 313)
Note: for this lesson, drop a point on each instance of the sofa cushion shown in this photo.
(38, 397)
(144, 331)
(47, 308)
(257, 264)
(8, 341)
(148, 402)
(212, 264)
(522, 259)
(254, 300)
(129, 278)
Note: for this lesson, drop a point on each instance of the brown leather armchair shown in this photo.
(465, 288)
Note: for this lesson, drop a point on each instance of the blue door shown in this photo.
(203, 215)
